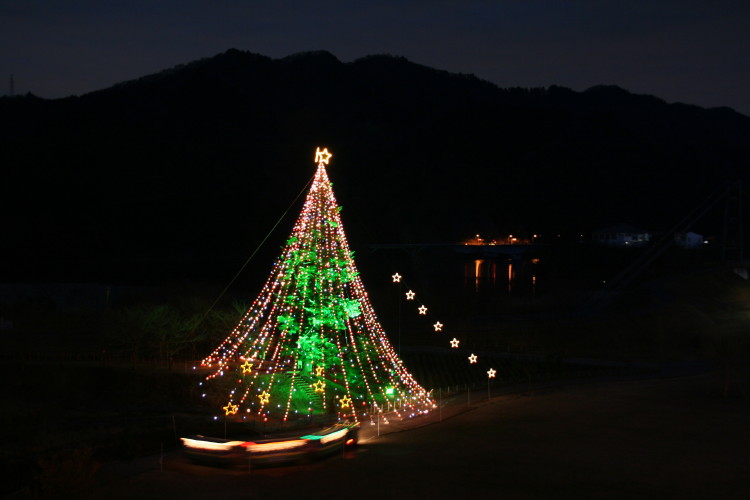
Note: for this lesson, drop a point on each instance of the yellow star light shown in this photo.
(438, 326)
(319, 386)
(230, 409)
(319, 371)
(422, 309)
(264, 397)
(454, 343)
(246, 366)
(322, 156)
(346, 401)
(410, 295)
(491, 373)
(396, 278)
(473, 358)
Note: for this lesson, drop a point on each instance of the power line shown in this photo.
(602, 298)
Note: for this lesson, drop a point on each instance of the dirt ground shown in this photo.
(661, 438)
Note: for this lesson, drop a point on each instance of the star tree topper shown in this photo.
(322, 156)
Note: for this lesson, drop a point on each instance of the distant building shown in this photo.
(506, 240)
(688, 240)
(621, 235)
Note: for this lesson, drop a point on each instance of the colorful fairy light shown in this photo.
(311, 337)
(333, 436)
(205, 444)
(285, 445)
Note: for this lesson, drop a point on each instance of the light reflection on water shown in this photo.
(483, 274)
(511, 275)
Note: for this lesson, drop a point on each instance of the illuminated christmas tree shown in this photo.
(311, 344)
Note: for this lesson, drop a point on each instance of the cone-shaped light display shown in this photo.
(311, 343)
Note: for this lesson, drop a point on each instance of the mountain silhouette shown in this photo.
(192, 166)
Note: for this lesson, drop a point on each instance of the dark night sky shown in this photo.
(696, 52)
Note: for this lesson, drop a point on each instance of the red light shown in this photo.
(350, 441)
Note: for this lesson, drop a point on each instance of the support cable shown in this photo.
(627, 275)
(257, 248)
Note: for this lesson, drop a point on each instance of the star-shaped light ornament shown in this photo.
(264, 397)
(396, 278)
(322, 156)
(491, 373)
(410, 295)
(438, 326)
(230, 409)
(319, 371)
(246, 366)
(346, 402)
(473, 358)
(422, 309)
(454, 343)
(319, 386)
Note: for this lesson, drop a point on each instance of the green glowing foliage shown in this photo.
(288, 324)
(315, 350)
(352, 308)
